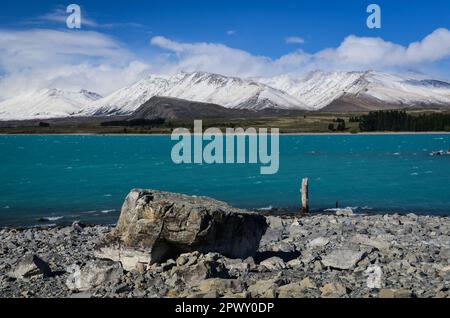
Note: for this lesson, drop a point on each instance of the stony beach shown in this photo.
(340, 255)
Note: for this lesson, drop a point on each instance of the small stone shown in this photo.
(318, 268)
(29, 266)
(221, 286)
(141, 268)
(211, 295)
(307, 283)
(283, 247)
(307, 258)
(445, 253)
(77, 227)
(182, 260)
(319, 242)
(366, 240)
(342, 259)
(274, 263)
(345, 212)
(374, 273)
(83, 295)
(199, 270)
(93, 274)
(294, 263)
(333, 290)
(122, 288)
(394, 293)
(237, 266)
(263, 289)
(293, 290)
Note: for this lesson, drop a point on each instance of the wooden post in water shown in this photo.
(305, 195)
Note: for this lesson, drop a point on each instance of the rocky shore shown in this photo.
(170, 245)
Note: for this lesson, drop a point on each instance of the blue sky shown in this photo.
(245, 38)
(260, 25)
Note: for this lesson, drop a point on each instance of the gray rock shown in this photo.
(333, 290)
(29, 266)
(274, 263)
(93, 274)
(445, 253)
(122, 288)
(237, 267)
(293, 290)
(202, 267)
(221, 286)
(131, 259)
(375, 275)
(395, 293)
(169, 224)
(264, 289)
(366, 240)
(319, 242)
(284, 247)
(342, 259)
(345, 212)
(77, 227)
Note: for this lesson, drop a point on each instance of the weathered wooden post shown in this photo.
(305, 195)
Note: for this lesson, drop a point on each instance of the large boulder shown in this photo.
(168, 224)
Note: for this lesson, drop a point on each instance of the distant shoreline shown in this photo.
(288, 213)
(281, 133)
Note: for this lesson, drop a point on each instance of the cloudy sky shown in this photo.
(121, 41)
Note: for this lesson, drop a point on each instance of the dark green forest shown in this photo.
(399, 120)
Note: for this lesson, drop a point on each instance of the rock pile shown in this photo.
(318, 255)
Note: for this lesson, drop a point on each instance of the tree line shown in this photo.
(399, 120)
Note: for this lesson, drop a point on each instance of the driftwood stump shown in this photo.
(305, 195)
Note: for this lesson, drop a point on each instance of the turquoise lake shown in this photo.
(66, 178)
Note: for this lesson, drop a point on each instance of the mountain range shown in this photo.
(315, 91)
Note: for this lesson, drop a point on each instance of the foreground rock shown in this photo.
(168, 224)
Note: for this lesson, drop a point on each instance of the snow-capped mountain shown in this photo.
(319, 89)
(330, 91)
(46, 103)
(230, 92)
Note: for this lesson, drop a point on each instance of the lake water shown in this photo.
(66, 178)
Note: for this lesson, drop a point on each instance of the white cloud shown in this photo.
(231, 32)
(59, 17)
(294, 40)
(41, 58)
(211, 57)
(354, 53)
(377, 53)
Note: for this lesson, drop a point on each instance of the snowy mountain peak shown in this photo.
(230, 92)
(364, 90)
(318, 89)
(46, 103)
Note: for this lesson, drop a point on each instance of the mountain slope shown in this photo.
(46, 103)
(174, 108)
(229, 92)
(319, 89)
